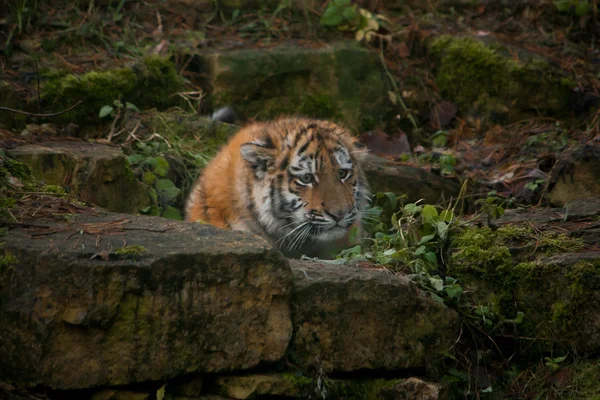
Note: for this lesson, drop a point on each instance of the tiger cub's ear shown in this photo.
(359, 151)
(259, 156)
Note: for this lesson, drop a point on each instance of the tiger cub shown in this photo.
(297, 182)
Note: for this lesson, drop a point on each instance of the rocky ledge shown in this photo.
(104, 299)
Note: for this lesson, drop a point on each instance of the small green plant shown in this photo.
(345, 16)
(553, 363)
(533, 186)
(154, 169)
(492, 206)
(116, 109)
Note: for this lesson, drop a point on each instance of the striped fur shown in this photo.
(297, 182)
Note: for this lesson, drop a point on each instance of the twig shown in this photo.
(396, 88)
(40, 115)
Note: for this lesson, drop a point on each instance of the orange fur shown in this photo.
(255, 169)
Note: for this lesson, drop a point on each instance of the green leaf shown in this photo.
(332, 16)
(487, 390)
(168, 187)
(161, 168)
(105, 111)
(454, 291)
(151, 161)
(447, 216)
(431, 257)
(148, 177)
(135, 158)
(131, 106)
(426, 238)
(437, 283)
(412, 209)
(172, 213)
(429, 212)
(442, 229)
(349, 13)
(558, 360)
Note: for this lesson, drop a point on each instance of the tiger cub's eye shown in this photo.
(344, 174)
(305, 179)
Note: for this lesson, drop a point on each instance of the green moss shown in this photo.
(157, 82)
(500, 266)
(472, 73)
(150, 83)
(7, 261)
(95, 89)
(134, 251)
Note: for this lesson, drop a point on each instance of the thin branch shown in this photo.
(40, 115)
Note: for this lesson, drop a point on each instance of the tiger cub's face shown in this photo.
(308, 182)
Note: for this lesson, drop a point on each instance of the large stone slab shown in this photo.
(112, 299)
(416, 183)
(343, 81)
(96, 173)
(348, 318)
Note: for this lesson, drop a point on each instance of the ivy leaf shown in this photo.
(431, 257)
(442, 229)
(105, 111)
(172, 213)
(332, 16)
(412, 209)
(447, 216)
(437, 283)
(429, 212)
(161, 168)
(454, 291)
(135, 158)
(131, 106)
(426, 238)
(168, 188)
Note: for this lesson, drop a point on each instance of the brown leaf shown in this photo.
(403, 50)
(442, 113)
(381, 143)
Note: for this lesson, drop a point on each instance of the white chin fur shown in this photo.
(331, 235)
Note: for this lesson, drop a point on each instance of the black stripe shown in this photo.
(285, 162)
(269, 142)
(303, 147)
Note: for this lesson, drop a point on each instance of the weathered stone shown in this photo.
(287, 385)
(243, 387)
(342, 82)
(416, 389)
(540, 263)
(417, 183)
(95, 173)
(347, 318)
(111, 394)
(480, 76)
(575, 176)
(112, 299)
(188, 388)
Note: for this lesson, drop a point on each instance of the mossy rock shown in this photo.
(97, 174)
(343, 82)
(547, 276)
(481, 76)
(150, 83)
